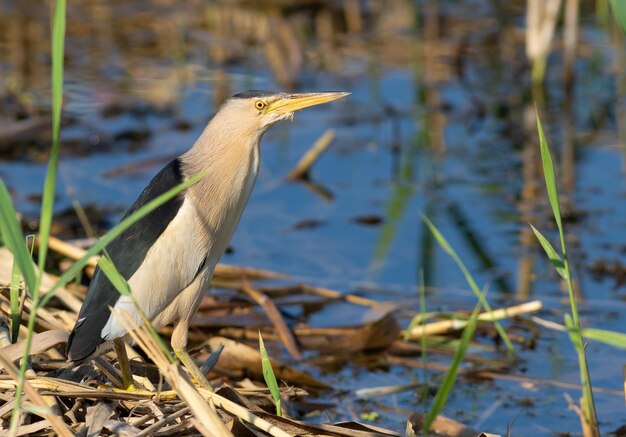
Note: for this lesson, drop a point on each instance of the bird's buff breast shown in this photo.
(189, 249)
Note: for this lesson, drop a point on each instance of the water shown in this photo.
(440, 122)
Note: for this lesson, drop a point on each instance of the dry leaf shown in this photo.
(41, 342)
(241, 357)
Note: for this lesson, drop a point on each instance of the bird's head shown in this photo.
(258, 110)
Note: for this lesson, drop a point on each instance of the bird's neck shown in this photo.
(231, 164)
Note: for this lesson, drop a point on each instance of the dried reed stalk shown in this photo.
(284, 333)
(445, 326)
(302, 168)
(43, 410)
(244, 414)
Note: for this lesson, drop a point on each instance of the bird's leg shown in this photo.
(192, 368)
(122, 358)
(179, 344)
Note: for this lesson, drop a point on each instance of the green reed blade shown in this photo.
(615, 339)
(14, 296)
(47, 201)
(449, 379)
(470, 280)
(549, 175)
(619, 10)
(557, 262)
(113, 275)
(269, 376)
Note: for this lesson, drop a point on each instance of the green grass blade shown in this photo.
(14, 292)
(117, 230)
(118, 281)
(615, 339)
(549, 175)
(268, 375)
(14, 239)
(470, 280)
(556, 260)
(14, 295)
(418, 319)
(619, 10)
(47, 202)
(424, 341)
(449, 379)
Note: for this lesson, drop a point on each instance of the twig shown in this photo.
(109, 370)
(161, 423)
(319, 291)
(302, 168)
(284, 333)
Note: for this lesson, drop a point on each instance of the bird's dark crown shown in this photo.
(252, 94)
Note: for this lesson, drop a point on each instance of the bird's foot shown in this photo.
(131, 389)
(134, 390)
(194, 371)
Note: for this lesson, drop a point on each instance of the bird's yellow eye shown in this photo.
(260, 104)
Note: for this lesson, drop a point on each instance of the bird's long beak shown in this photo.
(295, 102)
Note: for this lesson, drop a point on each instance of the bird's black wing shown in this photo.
(127, 252)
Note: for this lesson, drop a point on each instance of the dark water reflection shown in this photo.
(440, 122)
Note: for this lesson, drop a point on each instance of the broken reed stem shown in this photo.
(580, 412)
(222, 271)
(302, 168)
(284, 333)
(243, 413)
(445, 326)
